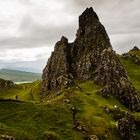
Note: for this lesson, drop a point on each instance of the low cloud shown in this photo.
(124, 42)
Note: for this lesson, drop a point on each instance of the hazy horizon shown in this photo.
(29, 29)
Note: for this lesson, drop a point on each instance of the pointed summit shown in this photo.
(88, 17)
(89, 57)
(64, 39)
(90, 27)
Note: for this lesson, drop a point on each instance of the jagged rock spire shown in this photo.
(87, 17)
(64, 39)
(89, 57)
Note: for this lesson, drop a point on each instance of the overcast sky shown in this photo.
(29, 29)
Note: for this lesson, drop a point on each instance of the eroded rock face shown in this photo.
(6, 84)
(57, 73)
(89, 57)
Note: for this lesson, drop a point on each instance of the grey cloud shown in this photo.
(120, 18)
(25, 2)
(124, 42)
(38, 36)
(35, 66)
(32, 66)
(115, 15)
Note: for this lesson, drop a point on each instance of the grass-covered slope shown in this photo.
(19, 76)
(23, 92)
(34, 120)
(133, 70)
(28, 119)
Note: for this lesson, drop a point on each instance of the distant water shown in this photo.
(23, 82)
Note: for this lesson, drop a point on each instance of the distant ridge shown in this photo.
(6, 69)
(18, 75)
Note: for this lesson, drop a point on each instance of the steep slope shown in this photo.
(133, 68)
(89, 57)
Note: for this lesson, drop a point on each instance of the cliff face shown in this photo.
(89, 57)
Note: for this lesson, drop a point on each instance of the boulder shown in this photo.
(126, 128)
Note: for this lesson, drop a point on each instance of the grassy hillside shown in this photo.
(29, 119)
(24, 92)
(19, 76)
(34, 120)
(55, 117)
(132, 69)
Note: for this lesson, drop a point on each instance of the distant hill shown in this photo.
(19, 76)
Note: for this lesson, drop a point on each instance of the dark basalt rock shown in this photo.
(89, 57)
(6, 84)
(126, 128)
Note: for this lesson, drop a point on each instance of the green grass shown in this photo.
(20, 118)
(135, 53)
(34, 120)
(29, 119)
(133, 70)
(23, 92)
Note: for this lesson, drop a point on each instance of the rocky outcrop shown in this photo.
(89, 57)
(135, 49)
(57, 73)
(132, 56)
(6, 84)
(126, 128)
